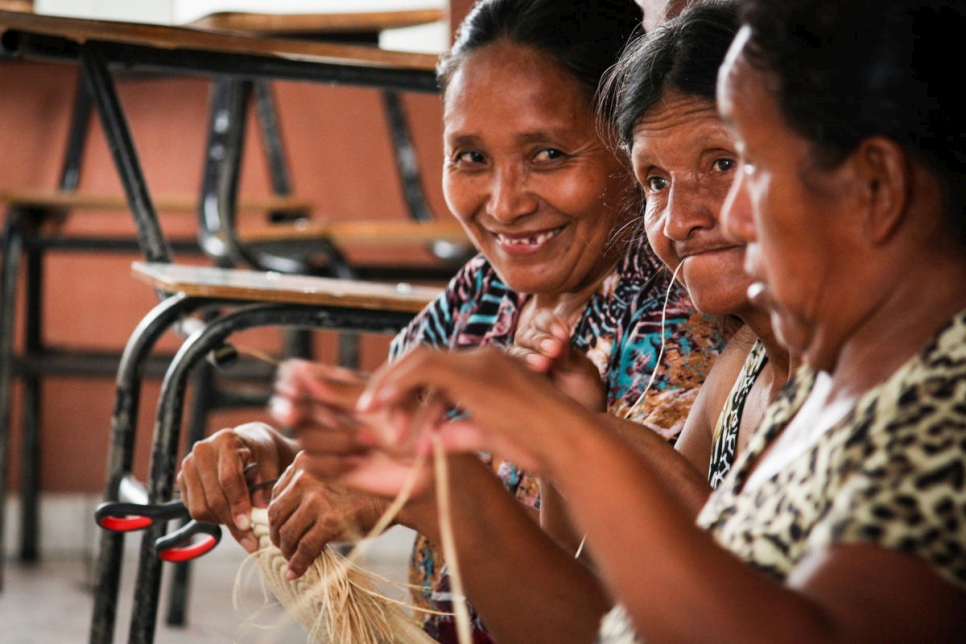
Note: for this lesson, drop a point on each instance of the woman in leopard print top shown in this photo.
(845, 519)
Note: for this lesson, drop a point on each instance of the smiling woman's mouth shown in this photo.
(528, 240)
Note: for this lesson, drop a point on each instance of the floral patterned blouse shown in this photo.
(620, 331)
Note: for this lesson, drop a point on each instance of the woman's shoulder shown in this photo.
(699, 429)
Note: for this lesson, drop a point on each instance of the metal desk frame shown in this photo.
(98, 47)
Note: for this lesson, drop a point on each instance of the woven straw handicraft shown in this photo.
(335, 600)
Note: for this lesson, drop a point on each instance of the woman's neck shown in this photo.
(781, 363)
(569, 304)
(916, 306)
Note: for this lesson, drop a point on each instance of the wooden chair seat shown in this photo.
(340, 233)
(257, 286)
(66, 200)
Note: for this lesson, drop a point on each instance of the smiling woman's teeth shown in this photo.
(531, 241)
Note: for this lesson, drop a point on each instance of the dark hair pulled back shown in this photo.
(683, 54)
(844, 70)
(584, 36)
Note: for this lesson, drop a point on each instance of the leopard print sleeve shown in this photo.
(904, 476)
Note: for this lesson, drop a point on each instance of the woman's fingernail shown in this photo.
(365, 401)
(548, 345)
(281, 409)
(290, 574)
(242, 521)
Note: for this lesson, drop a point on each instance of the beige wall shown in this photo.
(341, 161)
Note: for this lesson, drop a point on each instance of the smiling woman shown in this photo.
(528, 176)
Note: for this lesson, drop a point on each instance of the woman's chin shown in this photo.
(732, 302)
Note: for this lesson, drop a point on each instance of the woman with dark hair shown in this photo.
(843, 519)
(551, 209)
(660, 101)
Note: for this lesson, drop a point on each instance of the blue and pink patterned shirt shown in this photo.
(619, 330)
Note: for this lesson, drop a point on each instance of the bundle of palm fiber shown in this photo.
(335, 601)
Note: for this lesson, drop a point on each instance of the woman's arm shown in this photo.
(680, 585)
(526, 588)
(676, 582)
(683, 469)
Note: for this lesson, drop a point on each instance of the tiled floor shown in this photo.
(52, 601)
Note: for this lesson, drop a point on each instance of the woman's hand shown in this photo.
(510, 410)
(214, 486)
(319, 403)
(306, 513)
(544, 345)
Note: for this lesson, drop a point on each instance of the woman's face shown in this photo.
(684, 157)
(797, 218)
(526, 173)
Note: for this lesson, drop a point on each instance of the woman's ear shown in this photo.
(884, 171)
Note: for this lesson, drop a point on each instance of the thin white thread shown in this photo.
(660, 354)
(448, 542)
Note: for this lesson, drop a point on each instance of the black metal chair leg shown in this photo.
(31, 413)
(30, 471)
(272, 138)
(120, 457)
(167, 430)
(203, 392)
(151, 239)
(9, 273)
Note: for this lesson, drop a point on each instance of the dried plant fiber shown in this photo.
(335, 600)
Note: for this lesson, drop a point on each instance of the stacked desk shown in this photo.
(100, 47)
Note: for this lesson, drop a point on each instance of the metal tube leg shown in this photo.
(30, 472)
(151, 240)
(272, 138)
(405, 155)
(12, 251)
(31, 457)
(120, 458)
(202, 395)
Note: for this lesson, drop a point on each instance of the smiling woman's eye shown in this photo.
(725, 164)
(469, 157)
(548, 154)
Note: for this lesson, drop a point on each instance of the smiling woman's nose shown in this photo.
(736, 214)
(509, 197)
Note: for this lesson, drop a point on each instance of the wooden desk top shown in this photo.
(256, 286)
(195, 39)
(280, 24)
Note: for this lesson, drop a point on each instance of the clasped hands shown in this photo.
(367, 433)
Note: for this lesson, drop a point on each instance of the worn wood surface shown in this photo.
(257, 286)
(164, 37)
(322, 23)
